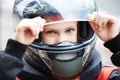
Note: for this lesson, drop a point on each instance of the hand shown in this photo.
(105, 26)
(28, 30)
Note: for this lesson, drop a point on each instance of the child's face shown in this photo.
(59, 32)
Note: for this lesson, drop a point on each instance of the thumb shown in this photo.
(91, 18)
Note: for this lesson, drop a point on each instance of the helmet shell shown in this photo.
(53, 12)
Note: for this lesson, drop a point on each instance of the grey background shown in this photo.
(7, 31)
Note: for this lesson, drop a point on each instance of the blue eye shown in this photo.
(69, 30)
(50, 32)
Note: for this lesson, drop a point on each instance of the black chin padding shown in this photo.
(84, 30)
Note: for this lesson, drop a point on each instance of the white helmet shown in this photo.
(49, 57)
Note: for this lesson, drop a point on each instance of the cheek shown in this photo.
(48, 40)
(73, 38)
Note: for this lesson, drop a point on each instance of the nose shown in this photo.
(61, 38)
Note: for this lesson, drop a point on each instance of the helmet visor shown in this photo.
(52, 11)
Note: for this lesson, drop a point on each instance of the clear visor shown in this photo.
(75, 10)
(60, 10)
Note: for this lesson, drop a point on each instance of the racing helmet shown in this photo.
(65, 59)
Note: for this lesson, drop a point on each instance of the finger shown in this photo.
(35, 29)
(39, 24)
(43, 21)
(91, 19)
(99, 21)
(32, 30)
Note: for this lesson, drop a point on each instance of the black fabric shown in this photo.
(15, 48)
(114, 46)
(115, 58)
(10, 63)
(28, 76)
(9, 66)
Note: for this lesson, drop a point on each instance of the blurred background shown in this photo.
(7, 30)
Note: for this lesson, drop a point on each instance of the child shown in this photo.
(60, 46)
